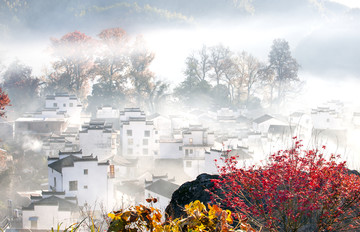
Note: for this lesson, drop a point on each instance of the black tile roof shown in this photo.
(163, 188)
(63, 204)
(69, 162)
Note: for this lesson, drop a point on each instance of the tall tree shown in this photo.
(22, 88)
(197, 64)
(111, 67)
(251, 72)
(140, 75)
(73, 67)
(220, 58)
(285, 67)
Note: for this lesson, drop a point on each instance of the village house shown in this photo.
(48, 211)
(138, 136)
(83, 177)
(99, 139)
(196, 141)
(109, 114)
(263, 123)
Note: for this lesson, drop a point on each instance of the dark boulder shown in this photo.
(188, 192)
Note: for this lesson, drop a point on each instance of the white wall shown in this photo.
(48, 217)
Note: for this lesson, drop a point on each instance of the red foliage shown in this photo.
(295, 190)
(4, 101)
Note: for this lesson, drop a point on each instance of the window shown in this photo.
(191, 151)
(145, 142)
(147, 133)
(190, 140)
(328, 120)
(188, 164)
(71, 104)
(130, 141)
(129, 151)
(55, 104)
(129, 132)
(86, 171)
(55, 182)
(156, 132)
(64, 105)
(186, 152)
(145, 151)
(73, 185)
(85, 187)
(180, 148)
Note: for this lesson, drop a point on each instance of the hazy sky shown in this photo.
(349, 3)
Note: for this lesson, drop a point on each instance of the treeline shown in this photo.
(226, 78)
(113, 69)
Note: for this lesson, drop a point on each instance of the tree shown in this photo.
(4, 101)
(284, 66)
(73, 68)
(295, 190)
(220, 61)
(250, 73)
(197, 65)
(111, 67)
(140, 76)
(22, 87)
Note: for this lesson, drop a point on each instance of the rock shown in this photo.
(188, 192)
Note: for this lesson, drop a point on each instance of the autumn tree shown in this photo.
(140, 76)
(285, 68)
(4, 101)
(73, 65)
(112, 68)
(22, 88)
(250, 73)
(294, 190)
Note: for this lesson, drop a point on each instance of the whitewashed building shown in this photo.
(263, 123)
(48, 211)
(83, 177)
(99, 139)
(139, 138)
(64, 102)
(196, 141)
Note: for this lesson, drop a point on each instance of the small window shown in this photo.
(86, 171)
(130, 141)
(85, 187)
(156, 153)
(156, 132)
(129, 132)
(186, 152)
(71, 104)
(190, 140)
(147, 133)
(328, 120)
(145, 151)
(55, 104)
(191, 151)
(145, 142)
(73, 185)
(64, 105)
(129, 151)
(180, 148)
(188, 164)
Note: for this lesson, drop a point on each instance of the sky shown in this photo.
(349, 3)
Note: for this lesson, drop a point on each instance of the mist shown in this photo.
(322, 36)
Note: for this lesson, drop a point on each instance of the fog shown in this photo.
(323, 37)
